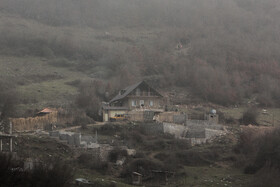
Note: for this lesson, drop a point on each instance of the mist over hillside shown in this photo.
(224, 51)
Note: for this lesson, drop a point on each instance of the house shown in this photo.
(139, 96)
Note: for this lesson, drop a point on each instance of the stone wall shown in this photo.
(210, 133)
(197, 134)
(153, 127)
(70, 137)
(200, 122)
(179, 131)
(144, 115)
(180, 118)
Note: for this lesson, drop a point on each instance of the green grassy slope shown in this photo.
(39, 81)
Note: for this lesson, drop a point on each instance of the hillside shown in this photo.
(220, 52)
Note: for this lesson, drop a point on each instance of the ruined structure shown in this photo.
(6, 134)
(196, 131)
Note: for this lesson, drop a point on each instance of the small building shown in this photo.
(137, 178)
(137, 96)
(45, 111)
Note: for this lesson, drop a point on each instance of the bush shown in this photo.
(116, 154)
(85, 159)
(162, 156)
(249, 117)
(99, 166)
(251, 169)
(94, 163)
(266, 177)
(194, 158)
(143, 166)
(109, 129)
(247, 143)
(59, 174)
(82, 120)
(262, 151)
(268, 153)
(51, 174)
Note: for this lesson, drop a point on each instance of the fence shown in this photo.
(33, 123)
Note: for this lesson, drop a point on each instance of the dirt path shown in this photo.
(79, 126)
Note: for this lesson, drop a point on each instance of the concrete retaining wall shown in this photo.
(153, 127)
(146, 116)
(210, 133)
(200, 122)
(180, 118)
(70, 137)
(178, 131)
(197, 134)
(88, 139)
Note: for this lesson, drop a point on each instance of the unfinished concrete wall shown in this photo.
(70, 137)
(136, 115)
(141, 115)
(167, 117)
(211, 133)
(180, 118)
(88, 139)
(203, 126)
(104, 151)
(197, 141)
(196, 133)
(200, 122)
(179, 131)
(153, 127)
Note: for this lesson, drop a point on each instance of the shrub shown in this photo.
(116, 154)
(143, 166)
(268, 153)
(59, 174)
(85, 158)
(261, 151)
(194, 158)
(82, 120)
(249, 117)
(109, 129)
(93, 162)
(251, 169)
(247, 143)
(99, 166)
(51, 174)
(161, 156)
(266, 177)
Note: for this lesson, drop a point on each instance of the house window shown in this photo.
(151, 103)
(142, 102)
(133, 103)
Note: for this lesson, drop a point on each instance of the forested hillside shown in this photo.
(223, 51)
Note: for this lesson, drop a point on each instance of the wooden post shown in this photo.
(11, 144)
(96, 139)
(11, 128)
(1, 145)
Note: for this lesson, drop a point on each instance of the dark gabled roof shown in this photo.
(128, 90)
